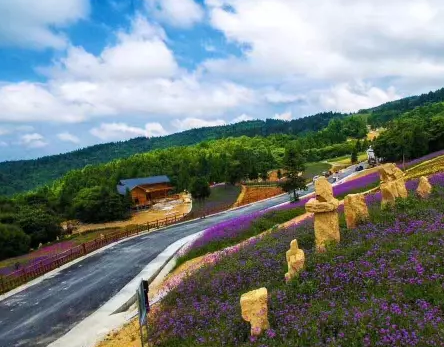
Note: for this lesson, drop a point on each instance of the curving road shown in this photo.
(47, 310)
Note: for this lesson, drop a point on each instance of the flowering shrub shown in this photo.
(382, 285)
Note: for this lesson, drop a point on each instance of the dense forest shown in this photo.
(414, 134)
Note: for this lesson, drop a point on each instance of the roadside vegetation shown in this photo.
(221, 196)
(382, 285)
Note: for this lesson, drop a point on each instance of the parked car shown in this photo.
(315, 178)
(359, 168)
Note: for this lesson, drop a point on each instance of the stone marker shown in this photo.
(424, 188)
(392, 184)
(295, 260)
(325, 209)
(355, 210)
(254, 307)
(400, 182)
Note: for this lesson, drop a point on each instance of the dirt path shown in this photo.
(176, 208)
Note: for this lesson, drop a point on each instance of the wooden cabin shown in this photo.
(145, 191)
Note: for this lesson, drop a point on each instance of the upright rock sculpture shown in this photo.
(254, 307)
(392, 184)
(295, 260)
(325, 209)
(355, 210)
(398, 176)
(424, 188)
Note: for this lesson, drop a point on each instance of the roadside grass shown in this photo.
(315, 169)
(221, 196)
(346, 159)
(382, 285)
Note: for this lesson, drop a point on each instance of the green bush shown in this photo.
(13, 241)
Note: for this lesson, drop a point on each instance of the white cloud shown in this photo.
(242, 118)
(353, 97)
(68, 137)
(182, 13)
(123, 131)
(34, 140)
(278, 97)
(138, 75)
(319, 39)
(284, 116)
(37, 24)
(155, 129)
(25, 102)
(192, 123)
(209, 47)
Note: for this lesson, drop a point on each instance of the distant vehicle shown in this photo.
(359, 168)
(326, 173)
(316, 178)
(335, 179)
(371, 157)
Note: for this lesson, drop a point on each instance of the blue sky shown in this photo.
(79, 72)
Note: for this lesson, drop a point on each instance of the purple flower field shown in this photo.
(382, 286)
(424, 158)
(36, 257)
(233, 228)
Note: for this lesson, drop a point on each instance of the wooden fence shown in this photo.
(42, 267)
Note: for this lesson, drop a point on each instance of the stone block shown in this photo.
(254, 306)
(424, 188)
(355, 210)
(295, 260)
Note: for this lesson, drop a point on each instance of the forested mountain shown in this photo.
(20, 176)
(380, 115)
(23, 175)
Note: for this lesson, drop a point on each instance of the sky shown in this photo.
(74, 73)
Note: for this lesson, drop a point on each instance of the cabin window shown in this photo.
(136, 201)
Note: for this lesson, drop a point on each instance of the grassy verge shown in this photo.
(315, 169)
(346, 159)
(382, 285)
(221, 196)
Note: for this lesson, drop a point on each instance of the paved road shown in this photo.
(46, 311)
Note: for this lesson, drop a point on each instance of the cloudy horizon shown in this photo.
(82, 72)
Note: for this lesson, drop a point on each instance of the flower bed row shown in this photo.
(381, 286)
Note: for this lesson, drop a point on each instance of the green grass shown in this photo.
(220, 196)
(346, 159)
(315, 169)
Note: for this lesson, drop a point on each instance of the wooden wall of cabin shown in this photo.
(139, 196)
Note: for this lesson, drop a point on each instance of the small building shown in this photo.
(145, 191)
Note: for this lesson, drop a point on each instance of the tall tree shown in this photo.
(200, 189)
(294, 165)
